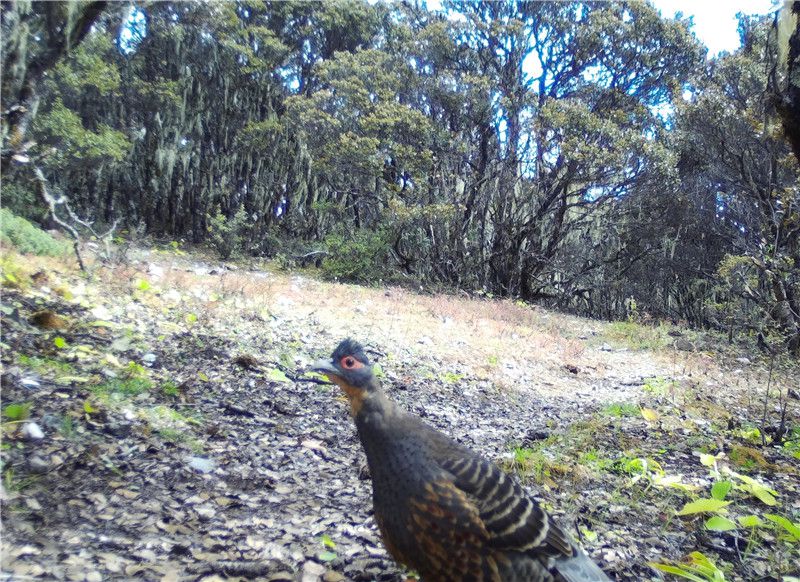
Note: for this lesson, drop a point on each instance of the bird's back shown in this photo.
(453, 516)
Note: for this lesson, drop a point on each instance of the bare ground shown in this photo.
(180, 439)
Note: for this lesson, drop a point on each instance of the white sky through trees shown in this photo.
(715, 22)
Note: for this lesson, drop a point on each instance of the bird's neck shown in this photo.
(373, 409)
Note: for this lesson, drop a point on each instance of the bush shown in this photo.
(227, 233)
(361, 256)
(28, 238)
(22, 201)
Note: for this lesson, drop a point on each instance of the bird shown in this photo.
(442, 509)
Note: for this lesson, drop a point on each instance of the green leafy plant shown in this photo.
(696, 567)
(17, 411)
(227, 232)
(359, 256)
(327, 555)
(170, 389)
(277, 375)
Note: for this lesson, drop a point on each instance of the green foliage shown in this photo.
(21, 200)
(360, 256)
(276, 375)
(451, 377)
(28, 238)
(532, 463)
(227, 233)
(329, 546)
(134, 370)
(170, 389)
(621, 409)
(17, 411)
(63, 129)
(703, 506)
(792, 530)
(88, 69)
(125, 387)
(659, 386)
(697, 568)
(46, 366)
(720, 489)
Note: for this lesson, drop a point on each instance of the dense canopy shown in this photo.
(586, 155)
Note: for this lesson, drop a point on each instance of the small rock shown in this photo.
(205, 511)
(38, 465)
(94, 576)
(280, 577)
(30, 382)
(149, 358)
(606, 348)
(331, 576)
(32, 431)
(535, 434)
(33, 504)
(312, 572)
(155, 270)
(744, 361)
(684, 345)
(201, 465)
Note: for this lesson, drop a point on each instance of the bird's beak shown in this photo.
(325, 367)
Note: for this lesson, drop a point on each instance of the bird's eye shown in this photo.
(350, 363)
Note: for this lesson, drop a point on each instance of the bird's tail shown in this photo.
(580, 568)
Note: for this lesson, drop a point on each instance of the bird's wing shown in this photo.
(513, 519)
(451, 534)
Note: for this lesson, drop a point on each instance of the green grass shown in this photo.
(531, 463)
(659, 386)
(170, 389)
(451, 378)
(621, 409)
(636, 336)
(46, 366)
(122, 387)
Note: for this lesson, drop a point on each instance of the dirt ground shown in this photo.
(163, 428)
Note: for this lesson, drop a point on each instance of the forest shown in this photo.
(564, 234)
(585, 156)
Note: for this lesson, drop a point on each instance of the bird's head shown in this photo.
(350, 368)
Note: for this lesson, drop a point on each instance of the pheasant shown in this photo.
(442, 509)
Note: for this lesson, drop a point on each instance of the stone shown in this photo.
(201, 465)
(32, 431)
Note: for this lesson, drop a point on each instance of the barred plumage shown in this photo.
(442, 509)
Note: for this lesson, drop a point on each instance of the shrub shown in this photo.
(227, 232)
(28, 238)
(22, 201)
(361, 256)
